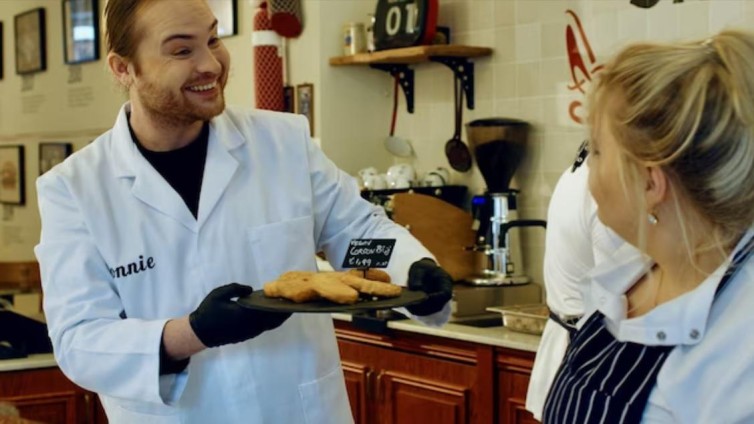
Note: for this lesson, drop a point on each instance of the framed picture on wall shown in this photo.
(305, 103)
(12, 190)
(80, 31)
(31, 52)
(226, 12)
(51, 154)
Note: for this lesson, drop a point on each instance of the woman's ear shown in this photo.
(119, 67)
(657, 187)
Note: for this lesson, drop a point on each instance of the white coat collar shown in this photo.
(151, 188)
(682, 321)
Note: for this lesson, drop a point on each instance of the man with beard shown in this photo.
(146, 231)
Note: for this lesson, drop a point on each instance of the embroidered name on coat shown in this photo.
(133, 267)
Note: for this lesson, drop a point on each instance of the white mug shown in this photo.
(444, 173)
(400, 182)
(364, 173)
(401, 170)
(367, 171)
(375, 182)
(433, 179)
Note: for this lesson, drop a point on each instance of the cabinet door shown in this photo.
(416, 379)
(513, 374)
(357, 384)
(411, 399)
(53, 408)
(46, 395)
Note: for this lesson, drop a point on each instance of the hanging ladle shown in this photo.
(396, 145)
(456, 151)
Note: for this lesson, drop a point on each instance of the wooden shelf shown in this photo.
(397, 62)
(409, 55)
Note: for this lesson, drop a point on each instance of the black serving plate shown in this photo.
(257, 300)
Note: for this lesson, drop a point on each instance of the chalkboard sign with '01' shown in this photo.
(369, 253)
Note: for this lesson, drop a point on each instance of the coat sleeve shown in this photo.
(341, 214)
(93, 345)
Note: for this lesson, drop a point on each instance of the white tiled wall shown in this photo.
(528, 75)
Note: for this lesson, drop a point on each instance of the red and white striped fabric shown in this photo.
(268, 62)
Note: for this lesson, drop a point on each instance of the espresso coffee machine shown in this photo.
(498, 146)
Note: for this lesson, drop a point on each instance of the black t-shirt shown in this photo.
(182, 168)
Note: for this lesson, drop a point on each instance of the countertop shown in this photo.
(44, 360)
(494, 336)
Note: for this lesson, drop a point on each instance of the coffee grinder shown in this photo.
(498, 146)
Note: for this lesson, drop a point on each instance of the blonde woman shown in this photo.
(667, 335)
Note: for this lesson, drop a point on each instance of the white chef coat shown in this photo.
(116, 238)
(574, 242)
(709, 376)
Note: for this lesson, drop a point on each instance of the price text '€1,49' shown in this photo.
(369, 253)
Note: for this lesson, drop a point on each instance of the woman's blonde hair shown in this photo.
(689, 109)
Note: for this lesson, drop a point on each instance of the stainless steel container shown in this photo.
(530, 319)
(469, 301)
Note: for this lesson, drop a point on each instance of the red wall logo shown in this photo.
(582, 62)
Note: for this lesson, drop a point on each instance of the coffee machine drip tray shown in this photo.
(495, 279)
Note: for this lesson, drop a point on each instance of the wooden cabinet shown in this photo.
(46, 395)
(358, 384)
(513, 368)
(404, 377)
(411, 378)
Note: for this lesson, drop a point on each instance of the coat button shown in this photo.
(694, 334)
(660, 335)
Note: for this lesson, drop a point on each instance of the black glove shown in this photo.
(219, 320)
(426, 276)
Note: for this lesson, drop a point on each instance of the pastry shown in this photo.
(371, 274)
(338, 287)
(370, 287)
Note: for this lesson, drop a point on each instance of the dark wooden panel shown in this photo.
(513, 374)
(36, 381)
(357, 385)
(53, 408)
(412, 400)
(419, 378)
(455, 350)
(21, 275)
(47, 396)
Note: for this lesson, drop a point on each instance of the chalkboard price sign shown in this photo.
(369, 253)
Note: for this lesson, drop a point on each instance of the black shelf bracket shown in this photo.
(405, 77)
(463, 69)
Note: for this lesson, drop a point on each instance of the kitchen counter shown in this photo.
(493, 336)
(44, 360)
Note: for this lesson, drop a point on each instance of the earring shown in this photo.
(652, 218)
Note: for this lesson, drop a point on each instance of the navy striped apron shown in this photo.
(602, 380)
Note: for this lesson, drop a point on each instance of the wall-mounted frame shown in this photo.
(226, 12)
(12, 188)
(305, 103)
(51, 154)
(31, 47)
(80, 31)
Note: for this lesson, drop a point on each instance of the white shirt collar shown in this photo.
(680, 321)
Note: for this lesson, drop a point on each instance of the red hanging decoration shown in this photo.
(286, 17)
(268, 62)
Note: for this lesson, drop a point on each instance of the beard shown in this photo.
(175, 109)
